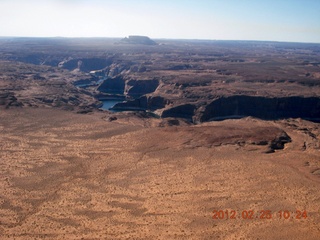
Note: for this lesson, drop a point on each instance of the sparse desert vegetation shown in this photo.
(70, 170)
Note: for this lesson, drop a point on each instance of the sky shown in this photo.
(266, 20)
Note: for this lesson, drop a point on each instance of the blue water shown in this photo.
(107, 104)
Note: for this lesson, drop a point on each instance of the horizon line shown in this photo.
(161, 38)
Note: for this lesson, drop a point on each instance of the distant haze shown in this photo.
(275, 20)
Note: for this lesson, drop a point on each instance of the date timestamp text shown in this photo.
(261, 214)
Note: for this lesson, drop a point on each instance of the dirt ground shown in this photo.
(71, 176)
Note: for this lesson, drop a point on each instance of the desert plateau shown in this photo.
(139, 138)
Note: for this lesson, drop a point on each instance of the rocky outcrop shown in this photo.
(114, 85)
(169, 122)
(85, 64)
(143, 103)
(137, 104)
(260, 107)
(182, 111)
(157, 102)
(279, 141)
(138, 40)
(8, 100)
(130, 88)
(116, 69)
(92, 81)
(180, 67)
(137, 88)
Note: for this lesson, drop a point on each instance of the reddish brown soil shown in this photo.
(71, 176)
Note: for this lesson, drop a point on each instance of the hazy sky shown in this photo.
(279, 20)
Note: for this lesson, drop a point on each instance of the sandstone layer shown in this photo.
(168, 169)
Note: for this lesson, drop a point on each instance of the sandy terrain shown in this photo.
(71, 176)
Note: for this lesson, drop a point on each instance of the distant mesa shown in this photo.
(144, 40)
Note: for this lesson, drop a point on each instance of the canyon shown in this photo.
(198, 127)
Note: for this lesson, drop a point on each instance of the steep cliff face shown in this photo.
(261, 107)
(182, 111)
(86, 64)
(143, 103)
(137, 88)
(131, 88)
(114, 85)
(157, 102)
(137, 104)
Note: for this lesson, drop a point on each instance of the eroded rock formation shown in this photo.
(113, 85)
(137, 88)
(195, 80)
(138, 40)
(261, 107)
(182, 111)
(85, 64)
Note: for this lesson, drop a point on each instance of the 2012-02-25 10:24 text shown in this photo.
(261, 214)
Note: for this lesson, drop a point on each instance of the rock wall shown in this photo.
(261, 107)
(143, 103)
(86, 64)
(137, 88)
(182, 111)
(114, 85)
(157, 102)
(137, 104)
(131, 88)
